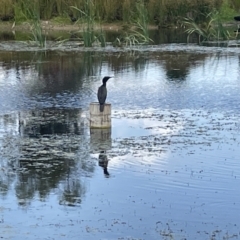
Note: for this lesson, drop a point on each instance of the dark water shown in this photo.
(171, 169)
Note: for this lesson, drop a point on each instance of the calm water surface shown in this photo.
(172, 168)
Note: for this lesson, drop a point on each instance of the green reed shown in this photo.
(211, 30)
(29, 11)
(227, 11)
(141, 22)
(159, 11)
(137, 31)
(6, 9)
(88, 20)
(235, 4)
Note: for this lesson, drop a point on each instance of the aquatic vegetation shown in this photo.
(29, 11)
(141, 22)
(130, 39)
(235, 4)
(89, 33)
(226, 11)
(6, 10)
(160, 12)
(126, 40)
(138, 32)
(101, 38)
(211, 30)
(37, 34)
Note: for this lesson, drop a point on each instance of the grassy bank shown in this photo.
(205, 18)
(160, 12)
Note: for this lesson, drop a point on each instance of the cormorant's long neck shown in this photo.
(104, 84)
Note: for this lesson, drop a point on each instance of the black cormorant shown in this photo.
(102, 93)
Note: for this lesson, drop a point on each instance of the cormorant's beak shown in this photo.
(109, 78)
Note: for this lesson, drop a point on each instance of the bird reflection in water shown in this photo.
(103, 162)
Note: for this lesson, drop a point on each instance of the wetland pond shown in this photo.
(171, 165)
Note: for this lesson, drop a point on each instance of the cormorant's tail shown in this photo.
(101, 107)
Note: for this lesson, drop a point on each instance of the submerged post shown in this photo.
(100, 119)
(100, 139)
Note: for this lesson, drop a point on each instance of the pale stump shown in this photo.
(100, 119)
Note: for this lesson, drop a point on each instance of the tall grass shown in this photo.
(136, 32)
(88, 20)
(161, 12)
(141, 22)
(29, 10)
(227, 11)
(47, 8)
(87, 17)
(212, 29)
(235, 4)
(6, 10)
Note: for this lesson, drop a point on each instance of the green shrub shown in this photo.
(227, 11)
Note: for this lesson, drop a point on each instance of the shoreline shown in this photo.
(54, 26)
(50, 25)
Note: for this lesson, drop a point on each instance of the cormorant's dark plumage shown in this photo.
(102, 93)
